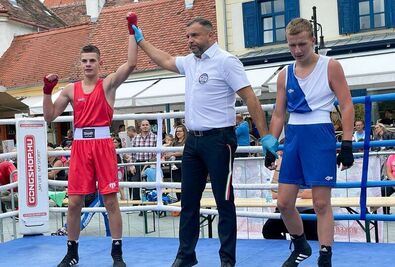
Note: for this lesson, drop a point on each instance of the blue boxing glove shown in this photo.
(269, 148)
(138, 34)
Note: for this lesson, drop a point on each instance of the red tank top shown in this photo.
(91, 110)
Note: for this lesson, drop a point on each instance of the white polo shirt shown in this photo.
(210, 86)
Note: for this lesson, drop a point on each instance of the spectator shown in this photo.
(275, 228)
(121, 169)
(380, 133)
(131, 132)
(168, 140)
(145, 138)
(131, 170)
(337, 123)
(253, 130)
(177, 122)
(68, 139)
(6, 169)
(179, 140)
(242, 134)
(389, 190)
(359, 134)
(121, 128)
(56, 174)
(387, 120)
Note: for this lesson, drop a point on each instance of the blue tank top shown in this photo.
(309, 99)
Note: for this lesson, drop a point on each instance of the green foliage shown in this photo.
(359, 112)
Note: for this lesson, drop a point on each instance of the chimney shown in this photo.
(188, 4)
(93, 8)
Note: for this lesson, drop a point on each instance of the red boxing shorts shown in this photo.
(92, 160)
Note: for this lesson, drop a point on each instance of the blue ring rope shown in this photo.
(365, 166)
(368, 184)
(377, 143)
(374, 98)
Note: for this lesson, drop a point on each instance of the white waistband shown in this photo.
(313, 117)
(92, 133)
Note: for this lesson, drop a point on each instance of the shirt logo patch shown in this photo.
(290, 91)
(203, 78)
(88, 133)
(112, 185)
(328, 178)
(82, 99)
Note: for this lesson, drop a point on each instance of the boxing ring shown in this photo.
(36, 248)
(43, 251)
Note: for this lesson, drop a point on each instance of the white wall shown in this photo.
(327, 16)
(237, 27)
(235, 30)
(9, 29)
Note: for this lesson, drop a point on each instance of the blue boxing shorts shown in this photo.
(309, 157)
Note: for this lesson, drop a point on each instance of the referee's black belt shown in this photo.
(211, 131)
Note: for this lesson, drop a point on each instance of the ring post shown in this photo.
(32, 176)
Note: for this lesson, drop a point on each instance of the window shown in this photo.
(371, 14)
(365, 15)
(13, 2)
(264, 21)
(273, 21)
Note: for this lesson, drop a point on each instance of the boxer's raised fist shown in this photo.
(132, 20)
(50, 82)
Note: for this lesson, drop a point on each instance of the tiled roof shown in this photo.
(2, 8)
(72, 14)
(32, 56)
(56, 3)
(163, 23)
(122, 2)
(31, 12)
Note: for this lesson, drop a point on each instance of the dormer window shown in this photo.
(13, 3)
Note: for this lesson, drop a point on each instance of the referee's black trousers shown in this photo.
(213, 154)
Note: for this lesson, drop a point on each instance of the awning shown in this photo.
(35, 104)
(259, 77)
(135, 96)
(9, 106)
(172, 90)
(363, 71)
(127, 92)
(31, 100)
(166, 91)
(373, 71)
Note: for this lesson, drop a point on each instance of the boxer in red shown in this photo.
(93, 101)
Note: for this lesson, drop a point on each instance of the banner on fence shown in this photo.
(254, 171)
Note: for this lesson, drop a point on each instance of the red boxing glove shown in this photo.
(49, 85)
(132, 20)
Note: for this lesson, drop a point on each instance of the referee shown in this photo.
(213, 77)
